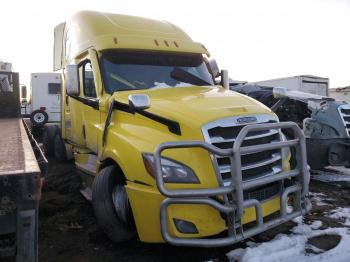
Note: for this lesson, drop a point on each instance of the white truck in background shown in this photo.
(45, 101)
(303, 83)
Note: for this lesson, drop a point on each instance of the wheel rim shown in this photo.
(39, 118)
(120, 203)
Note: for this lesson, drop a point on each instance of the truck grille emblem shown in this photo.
(246, 120)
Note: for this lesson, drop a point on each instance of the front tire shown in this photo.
(111, 206)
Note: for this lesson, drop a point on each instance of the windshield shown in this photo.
(134, 71)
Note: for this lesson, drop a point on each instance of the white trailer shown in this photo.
(304, 83)
(45, 102)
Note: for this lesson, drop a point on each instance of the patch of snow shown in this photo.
(298, 219)
(317, 198)
(324, 176)
(314, 249)
(339, 169)
(291, 248)
(251, 244)
(316, 224)
(341, 213)
(314, 194)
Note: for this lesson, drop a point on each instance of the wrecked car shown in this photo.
(324, 120)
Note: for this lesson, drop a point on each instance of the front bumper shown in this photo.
(234, 204)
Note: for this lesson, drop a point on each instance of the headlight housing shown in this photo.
(173, 171)
(286, 154)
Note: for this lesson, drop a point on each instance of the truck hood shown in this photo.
(197, 105)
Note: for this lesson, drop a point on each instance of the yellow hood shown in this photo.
(197, 105)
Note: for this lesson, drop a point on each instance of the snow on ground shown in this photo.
(342, 213)
(325, 176)
(318, 198)
(293, 247)
(341, 169)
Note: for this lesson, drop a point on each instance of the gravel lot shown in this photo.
(68, 231)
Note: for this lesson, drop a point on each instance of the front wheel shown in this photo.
(111, 206)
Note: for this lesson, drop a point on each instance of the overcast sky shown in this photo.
(254, 40)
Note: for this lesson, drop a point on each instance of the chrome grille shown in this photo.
(344, 111)
(222, 134)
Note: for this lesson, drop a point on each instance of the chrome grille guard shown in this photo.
(234, 209)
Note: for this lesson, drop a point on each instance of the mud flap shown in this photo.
(27, 236)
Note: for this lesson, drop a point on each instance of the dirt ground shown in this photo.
(68, 231)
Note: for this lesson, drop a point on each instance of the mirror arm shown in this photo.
(224, 79)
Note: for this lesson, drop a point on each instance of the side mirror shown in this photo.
(72, 80)
(214, 68)
(224, 79)
(139, 101)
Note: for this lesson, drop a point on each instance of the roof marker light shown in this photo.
(115, 40)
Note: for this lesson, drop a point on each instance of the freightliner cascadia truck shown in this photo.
(166, 152)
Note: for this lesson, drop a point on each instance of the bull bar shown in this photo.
(234, 209)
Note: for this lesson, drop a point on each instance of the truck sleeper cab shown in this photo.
(166, 152)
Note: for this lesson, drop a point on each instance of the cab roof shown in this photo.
(104, 31)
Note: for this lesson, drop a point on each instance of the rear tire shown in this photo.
(59, 148)
(49, 134)
(39, 117)
(118, 227)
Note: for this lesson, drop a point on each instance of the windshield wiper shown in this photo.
(184, 76)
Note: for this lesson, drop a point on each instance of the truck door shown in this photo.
(90, 106)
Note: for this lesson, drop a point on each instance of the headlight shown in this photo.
(286, 154)
(173, 172)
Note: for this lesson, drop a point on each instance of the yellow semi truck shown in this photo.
(166, 151)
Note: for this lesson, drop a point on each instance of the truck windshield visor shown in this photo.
(136, 71)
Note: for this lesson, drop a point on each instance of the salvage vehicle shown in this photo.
(166, 152)
(22, 168)
(325, 121)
